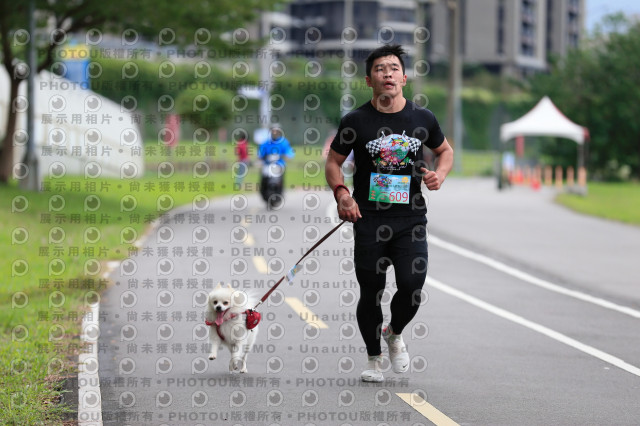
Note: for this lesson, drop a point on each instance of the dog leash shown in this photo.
(253, 316)
(297, 265)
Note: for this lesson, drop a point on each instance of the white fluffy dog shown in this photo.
(227, 318)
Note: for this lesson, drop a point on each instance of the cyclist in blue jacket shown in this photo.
(273, 153)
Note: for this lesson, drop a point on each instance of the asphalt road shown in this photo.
(530, 316)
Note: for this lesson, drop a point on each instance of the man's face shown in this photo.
(387, 78)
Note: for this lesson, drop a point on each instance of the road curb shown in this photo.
(89, 394)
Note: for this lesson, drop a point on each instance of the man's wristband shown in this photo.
(335, 191)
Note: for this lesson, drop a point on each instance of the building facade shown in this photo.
(509, 37)
(334, 27)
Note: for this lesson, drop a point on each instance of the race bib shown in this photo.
(389, 188)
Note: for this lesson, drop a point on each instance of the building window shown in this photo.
(500, 28)
(573, 40)
(574, 6)
(528, 28)
(396, 14)
(549, 26)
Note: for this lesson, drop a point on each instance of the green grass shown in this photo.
(41, 308)
(615, 201)
(476, 163)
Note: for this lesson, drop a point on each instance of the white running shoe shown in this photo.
(373, 372)
(397, 350)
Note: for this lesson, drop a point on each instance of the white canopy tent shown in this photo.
(545, 119)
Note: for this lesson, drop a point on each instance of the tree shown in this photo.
(209, 108)
(598, 86)
(202, 24)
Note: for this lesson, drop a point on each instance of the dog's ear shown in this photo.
(229, 286)
(217, 287)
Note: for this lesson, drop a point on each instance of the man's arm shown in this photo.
(444, 163)
(347, 207)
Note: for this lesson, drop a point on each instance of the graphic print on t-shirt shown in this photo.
(391, 153)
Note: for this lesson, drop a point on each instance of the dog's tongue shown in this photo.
(219, 318)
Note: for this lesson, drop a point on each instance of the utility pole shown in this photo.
(454, 106)
(31, 181)
(266, 79)
(348, 53)
(419, 55)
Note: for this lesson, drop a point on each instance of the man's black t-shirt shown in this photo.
(388, 153)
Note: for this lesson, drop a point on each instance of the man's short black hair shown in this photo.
(386, 50)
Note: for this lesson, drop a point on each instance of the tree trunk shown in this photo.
(6, 155)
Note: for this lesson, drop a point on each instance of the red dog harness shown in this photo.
(253, 318)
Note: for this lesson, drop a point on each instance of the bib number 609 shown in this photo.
(399, 197)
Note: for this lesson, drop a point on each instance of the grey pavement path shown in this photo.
(525, 227)
(481, 369)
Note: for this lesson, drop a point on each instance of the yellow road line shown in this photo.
(429, 411)
(261, 264)
(304, 312)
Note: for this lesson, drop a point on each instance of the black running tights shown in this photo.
(404, 304)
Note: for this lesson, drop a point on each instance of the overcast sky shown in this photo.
(596, 9)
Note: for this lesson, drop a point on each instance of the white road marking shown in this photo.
(589, 350)
(531, 279)
(429, 411)
(89, 396)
